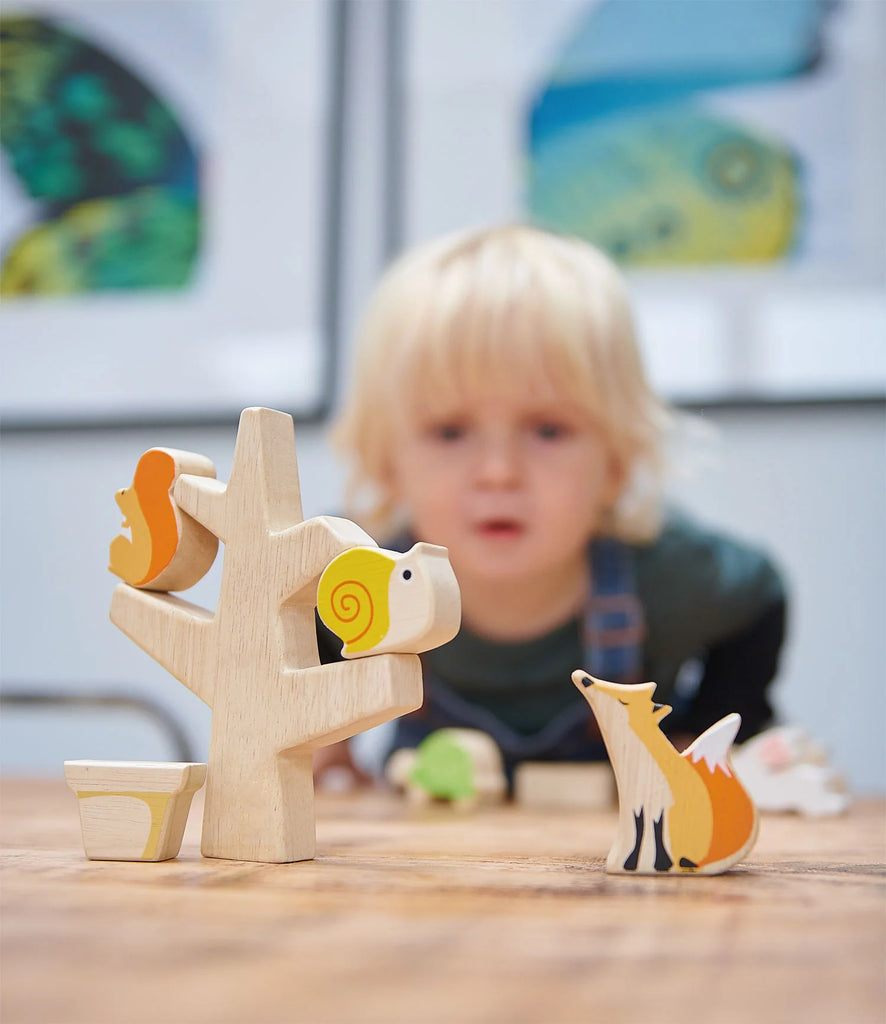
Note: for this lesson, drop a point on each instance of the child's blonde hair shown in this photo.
(504, 306)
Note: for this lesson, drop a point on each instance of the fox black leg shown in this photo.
(634, 856)
(663, 861)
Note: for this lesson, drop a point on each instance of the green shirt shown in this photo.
(698, 589)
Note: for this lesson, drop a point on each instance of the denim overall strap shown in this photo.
(612, 636)
(614, 624)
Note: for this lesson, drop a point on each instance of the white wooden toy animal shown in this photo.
(785, 769)
(255, 662)
(678, 813)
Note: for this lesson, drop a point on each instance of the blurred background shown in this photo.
(197, 198)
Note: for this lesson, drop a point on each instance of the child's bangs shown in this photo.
(466, 351)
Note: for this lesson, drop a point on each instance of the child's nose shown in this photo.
(499, 462)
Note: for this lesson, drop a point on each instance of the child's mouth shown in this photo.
(500, 529)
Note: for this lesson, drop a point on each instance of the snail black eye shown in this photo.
(407, 574)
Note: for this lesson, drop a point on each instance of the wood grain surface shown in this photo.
(408, 915)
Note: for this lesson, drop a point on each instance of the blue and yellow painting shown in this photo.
(111, 173)
(626, 150)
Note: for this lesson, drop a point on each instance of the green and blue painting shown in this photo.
(628, 148)
(109, 172)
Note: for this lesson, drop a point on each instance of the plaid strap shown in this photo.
(614, 625)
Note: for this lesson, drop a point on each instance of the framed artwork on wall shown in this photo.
(730, 156)
(166, 231)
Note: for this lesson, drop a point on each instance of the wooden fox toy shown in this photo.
(678, 813)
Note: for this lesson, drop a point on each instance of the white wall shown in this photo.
(808, 482)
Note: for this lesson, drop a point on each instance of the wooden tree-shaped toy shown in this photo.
(255, 660)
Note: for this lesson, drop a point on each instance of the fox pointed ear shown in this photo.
(660, 711)
(583, 680)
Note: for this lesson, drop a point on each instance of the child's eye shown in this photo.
(550, 431)
(447, 431)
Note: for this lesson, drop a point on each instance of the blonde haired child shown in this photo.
(499, 407)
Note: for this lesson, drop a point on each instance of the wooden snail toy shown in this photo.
(379, 601)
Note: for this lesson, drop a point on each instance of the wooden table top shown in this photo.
(499, 915)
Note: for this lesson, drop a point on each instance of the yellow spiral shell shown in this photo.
(352, 597)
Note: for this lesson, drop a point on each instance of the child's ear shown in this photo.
(388, 481)
(617, 478)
